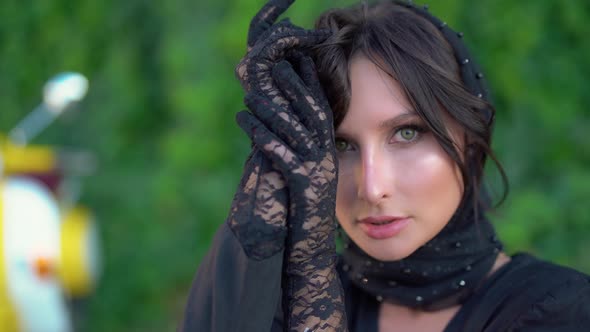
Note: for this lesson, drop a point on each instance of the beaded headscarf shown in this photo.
(449, 268)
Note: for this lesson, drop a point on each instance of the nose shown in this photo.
(373, 178)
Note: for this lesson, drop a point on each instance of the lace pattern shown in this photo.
(313, 294)
(259, 209)
(290, 178)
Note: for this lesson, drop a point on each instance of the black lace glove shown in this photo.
(304, 152)
(259, 209)
(269, 43)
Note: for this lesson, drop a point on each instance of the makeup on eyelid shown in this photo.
(392, 128)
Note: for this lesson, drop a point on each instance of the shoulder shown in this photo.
(562, 300)
(532, 294)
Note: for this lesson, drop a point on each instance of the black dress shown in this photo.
(233, 293)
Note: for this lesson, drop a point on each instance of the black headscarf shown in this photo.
(449, 268)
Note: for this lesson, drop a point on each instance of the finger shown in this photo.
(253, 68)
(315, 116)
(276, 46)
(272, 146)
(306, 68)
(282, 123)
(264, 19)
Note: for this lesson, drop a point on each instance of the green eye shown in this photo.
(340, 145)
(408, 134)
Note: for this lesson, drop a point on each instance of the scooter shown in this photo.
(49, 243)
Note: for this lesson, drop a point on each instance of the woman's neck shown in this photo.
(394, 317)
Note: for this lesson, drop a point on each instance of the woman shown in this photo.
(402, 175)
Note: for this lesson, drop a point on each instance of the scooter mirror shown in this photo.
(59, 93)
(63, 89)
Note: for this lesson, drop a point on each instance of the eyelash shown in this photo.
(415, 127)
(419, 129)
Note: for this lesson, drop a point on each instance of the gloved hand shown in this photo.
(300, 142)
(259, 209)
(269, 43)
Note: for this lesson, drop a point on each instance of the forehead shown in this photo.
(374, 95)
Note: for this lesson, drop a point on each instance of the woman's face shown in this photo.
(397, 187)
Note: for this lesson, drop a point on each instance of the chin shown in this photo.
(387, 250)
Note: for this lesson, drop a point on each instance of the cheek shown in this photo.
(346, 192)
(344, 197)
(421, 178)
(431, 176)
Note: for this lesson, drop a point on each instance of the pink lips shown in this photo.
(383, 227)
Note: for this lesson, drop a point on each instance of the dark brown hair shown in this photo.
(411, 50)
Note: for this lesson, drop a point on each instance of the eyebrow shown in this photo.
(396, 121)
(387, 124)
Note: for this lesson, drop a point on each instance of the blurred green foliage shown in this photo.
(160, 117)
